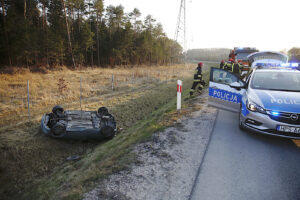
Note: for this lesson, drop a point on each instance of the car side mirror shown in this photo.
(237, 85)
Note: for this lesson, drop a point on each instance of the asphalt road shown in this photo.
(239, 165)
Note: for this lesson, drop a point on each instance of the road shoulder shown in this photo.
(166, 165)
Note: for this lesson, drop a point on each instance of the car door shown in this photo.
(225, 90)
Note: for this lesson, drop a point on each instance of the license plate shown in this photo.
(288, 129)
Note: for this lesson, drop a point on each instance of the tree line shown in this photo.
(207, 54)
(81, 32)
(294, 54)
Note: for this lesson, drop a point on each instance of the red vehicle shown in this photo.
(241, 54)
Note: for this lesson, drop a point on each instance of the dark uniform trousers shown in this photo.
(222, 65)
(197, 80)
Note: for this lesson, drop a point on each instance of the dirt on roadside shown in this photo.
(167, 164)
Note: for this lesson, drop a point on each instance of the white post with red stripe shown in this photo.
(179, 90)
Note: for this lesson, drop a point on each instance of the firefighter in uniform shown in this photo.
(236, 68)
(240, 62)
(197, 79)
(222, 63)
(228, 65)
(231, 55)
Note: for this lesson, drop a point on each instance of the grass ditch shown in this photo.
(36, 167)
(114, 155)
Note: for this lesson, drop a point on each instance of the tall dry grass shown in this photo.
(63, 87)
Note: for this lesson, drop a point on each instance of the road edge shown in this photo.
(204, 154)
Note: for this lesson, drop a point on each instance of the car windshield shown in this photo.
(242, 56)
(277, 80)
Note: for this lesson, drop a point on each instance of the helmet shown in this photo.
(222, 61)
(231, 60)
(240, 61)
(200, 64)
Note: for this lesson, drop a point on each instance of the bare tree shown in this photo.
(25, 9)
(5, 31)
(98, 6)
(68, 31)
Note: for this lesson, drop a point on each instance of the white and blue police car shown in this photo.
(267, 99)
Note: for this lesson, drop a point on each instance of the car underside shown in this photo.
(79, 124)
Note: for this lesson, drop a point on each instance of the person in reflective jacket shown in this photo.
(222, 63)
(228, 65)
(236, 68)
(232, 55)
(197, 79)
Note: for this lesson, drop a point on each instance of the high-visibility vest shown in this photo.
(239, 67)
(227, 66)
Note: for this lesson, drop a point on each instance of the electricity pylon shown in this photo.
(180, 33)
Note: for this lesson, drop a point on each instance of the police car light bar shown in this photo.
(289, 65)
(279, 65)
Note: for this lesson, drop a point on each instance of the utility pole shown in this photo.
(180, 33)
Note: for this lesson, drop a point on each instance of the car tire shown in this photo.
(103, 111)
(57, 109)
(108, 132)
(58, 129)
(241, 125)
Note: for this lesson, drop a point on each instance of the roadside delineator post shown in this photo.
(179, 91)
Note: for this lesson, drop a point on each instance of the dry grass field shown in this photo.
(35, 165)
(62, 86)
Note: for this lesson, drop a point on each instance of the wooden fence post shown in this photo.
(28, 100)
(112, 82)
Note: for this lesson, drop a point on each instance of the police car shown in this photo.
(267, 99)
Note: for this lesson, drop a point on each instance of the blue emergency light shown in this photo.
(266, 65)
(275, 113)
(279, 65)
(289, 64)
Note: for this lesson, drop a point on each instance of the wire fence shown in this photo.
(26, 95)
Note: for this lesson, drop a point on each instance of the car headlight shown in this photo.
(255, 108)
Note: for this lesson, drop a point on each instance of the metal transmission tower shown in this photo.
(180, 33)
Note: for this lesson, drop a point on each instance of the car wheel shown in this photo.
(108, 132)
(57, 109)
(103, 111)
(58, 129)
(241, 125)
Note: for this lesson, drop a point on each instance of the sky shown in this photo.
(264, 24)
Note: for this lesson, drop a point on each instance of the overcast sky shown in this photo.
(265, 24)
